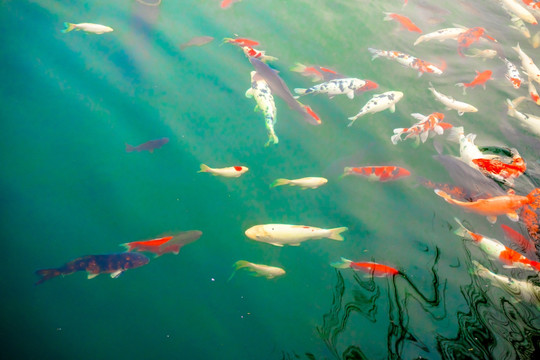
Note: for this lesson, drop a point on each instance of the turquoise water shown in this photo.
(70, 103)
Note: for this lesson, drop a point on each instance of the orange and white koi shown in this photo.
(164, 245)
(259, 54)
(427, 126)
(377, 173)
(515, 8)
(317, 73)
(528, 121)
(441, 35)
(379, 103)
(370, 268)
(233, 171)
(293, 235)
(480, 79)
(501, 170)
(471, 36)
(451, 103)
(241, 42)
(497, 251)
(533, 93)
(512, 74)
(405, 22)
(528, 65)
(346, 86)
(407, 60)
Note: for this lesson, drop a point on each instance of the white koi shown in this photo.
(265, 102)
(335, 87)
(282, 234)
(513, 7)
(233, 171)
(512, 74)
(407, 60)
(304, 183)
(451, 103)
(379, 102)
(266, 271)
(520, 26)
(484, 54)
(469, 151)
(528, 121)
(441, 35)
(528, 65)
(87, 27)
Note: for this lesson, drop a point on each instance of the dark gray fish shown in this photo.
(197, 41)
(148, 146)
(278, 87)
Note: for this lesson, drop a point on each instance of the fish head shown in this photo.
(397, 95)
(241, 169)
(108, 29)
(255, 233)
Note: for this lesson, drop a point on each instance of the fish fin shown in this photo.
(388, 16)
(204, 168)
(424, 136)
(69, 27)
(393, 108)
(464, 87)
(295, 244)
(492, 219)
(342, 264)
(513, 216)
(297, 67)
(92, 275)
(375, 53)
(395, 138)
(116, 274)
(335, 233)
(460, 113)
(128, 246)
(350, 95)
(462, 231)
(276, 244)
(130, 148)
(419, 40)
(249, 93)
(238, 265)
(300, 91)
(47, 274)
(279, 182)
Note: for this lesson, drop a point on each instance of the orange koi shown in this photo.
(146, 245)
(525, 244)
(241, 42)
(378, 270)
(317, 73)
(500, 169)
(377, 173)
(164, 245)
(403, 20)
(480, 79)
(471, 36)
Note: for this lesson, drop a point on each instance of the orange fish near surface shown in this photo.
(499, 169)
(480, 79)
(377, 173)
(164, 245)
(378, 270)
(403, 20)
(471, 36)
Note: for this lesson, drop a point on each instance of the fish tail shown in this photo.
(375, 53)
(279, 182)
(300, 91)
(237, 266)
(444, 195)
(397, 137)
(272, 139)
(204, 168)
(342, 264)
(419, 40)
(455, 133)
(269, 58)
(335, 233)
(297, 67)
(346, 171)
(129, 148)
(69, 27)
(47, 274)
(464, 87)
(462, 231)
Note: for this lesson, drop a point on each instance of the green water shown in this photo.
(70, 102)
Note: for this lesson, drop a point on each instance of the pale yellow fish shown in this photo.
(266, 271)
(232, 171)
(87, 27)
(304, 183)
(282, 234)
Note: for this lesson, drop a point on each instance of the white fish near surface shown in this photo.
(87, 27)
(528, 65)
(233, 171)
(523, 290)
(304, 183)
(334, 87)
(266, 271)
(265, 102)
(515, 8)
(441, 35)
(512, 74)
(484, 54)
(528, 121)
(451, 103)
(282, 234)
(379, 102)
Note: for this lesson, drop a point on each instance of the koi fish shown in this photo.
(94, 265)
(517, 288)
(403, 20)
(520, 26)
(468, 150)
(241, 42)
(233, 171)
(533, 93)
(87, 27)
(347, 86)
(371, 268)
(427, 126)
(512, 74)
(498, 205)
(377, 173)
(500, 170)
(480, 79)
(197, 41)
(528, 121)
(525, 244)
(407, 60)
(484, 54)
(317, 73)
(535, 40)
(441, 35)
(456, 191)
(293, 235)
(451, 103)
(528, 65)
(497, 251)
(164, 245)
(228, 3)
(519, 11)
(259, 54)
(266, 271)
(377, 103)
(471, 36)
(148, 146)
(304, 183)
(265, 102)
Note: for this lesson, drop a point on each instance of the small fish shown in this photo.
(525, 244)
(512, 74)
(317, 73)
(497, 251)
(441, 35)
(241, 42)
(370, 268)
(148, 146)
(94, 265)
(87, 27)
(164, 245)
(346, 86)
(451, 103)
(377, 173)
(484, 54)
(293, 235)
(520, 26)
(304, 183)
(480, 79)
(533, 93)
(197, 41)
(377, 103)
(407, 60)
(259, 54)
(513, 7)
(403, 20)
(528, 65)
(471, 36)
(266, 271)
(427, 126)
(262, 94)
(535, 40)
(233, 171)
(228, 3)
(528, 121)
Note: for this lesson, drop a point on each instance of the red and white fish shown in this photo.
(480, 79)
(370, 268)
(317, 73)
(259, 54)
(525, 244)
(377, 173)
(241, 42)
(407, 60)
(500, 170)
(497, 251)
(512, 74)
(471, 36)
(164, 245)
(405, 22)
(427, 126)
(232, 171)
(441, 35)
(528, 65)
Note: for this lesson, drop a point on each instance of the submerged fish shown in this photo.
(197, 41)
(377, 173)
(484, 54)
(164, 245)
(379, 102)
(371, 268)
(427, 126)
(87, 27)
(94, 265)
(262, 94)
(148, 146)
(451, 103)
(317, 73)
(266, 271)
(304, 183)
(471, 36)
(407, 60)
(282, 234)
(232, 171)
(441, 35)
(405, 22)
